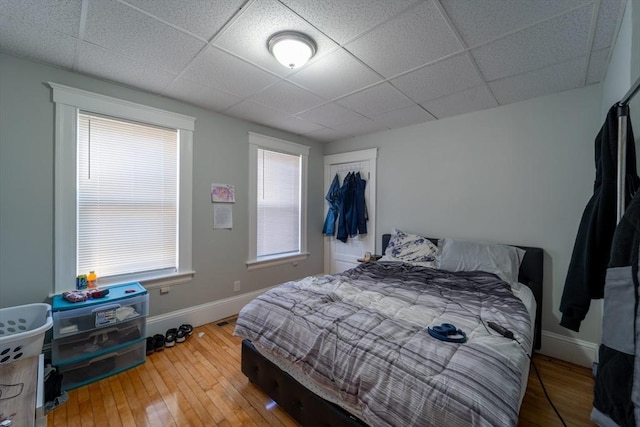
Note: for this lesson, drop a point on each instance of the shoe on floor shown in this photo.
(158, 342)
(170, 337)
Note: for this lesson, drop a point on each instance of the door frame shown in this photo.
(370, 155)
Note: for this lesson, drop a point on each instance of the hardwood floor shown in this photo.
(199, 383)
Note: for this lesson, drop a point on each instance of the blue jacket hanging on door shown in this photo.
(353, 210)
(334, 198)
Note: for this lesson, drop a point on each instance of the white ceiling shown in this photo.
(381, 64)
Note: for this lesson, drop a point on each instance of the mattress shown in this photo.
(358, 339)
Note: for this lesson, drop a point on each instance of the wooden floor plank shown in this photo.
(199, 382)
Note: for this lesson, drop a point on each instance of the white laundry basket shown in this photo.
(22, 330)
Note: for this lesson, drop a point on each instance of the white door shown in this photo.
(339, 256)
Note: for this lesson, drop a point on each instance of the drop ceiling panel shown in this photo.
(295, 125)
(556, 40)
(324, 135)
(37, 43)
(247, 36)
(489, 19)
(109, 65)
(555, 78)
(343, 20)
(403, 117)
(330, 115)
(54, 15)
(376, 100)
(334, 75)
(359, 127)
(444, 77)
(122, 29)
(195, 16)
(413, 38)
(387, 60)
(474, 99)
(606, 24)
(200, 95)
(286, 97)
(254, 112)
(218, 69)
(597, 65)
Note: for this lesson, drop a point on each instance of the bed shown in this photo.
(353, 348)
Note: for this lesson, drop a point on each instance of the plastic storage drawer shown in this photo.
(95, 368)
(92, 317)
(98, 341)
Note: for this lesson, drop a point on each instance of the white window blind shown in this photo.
(127, 197)
(278, 203)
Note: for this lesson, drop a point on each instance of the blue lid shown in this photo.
(116, 292)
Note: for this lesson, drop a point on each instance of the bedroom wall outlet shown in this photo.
(236, 286)
(165, 290)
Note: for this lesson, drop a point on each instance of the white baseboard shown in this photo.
(200, 314)
(572, 350)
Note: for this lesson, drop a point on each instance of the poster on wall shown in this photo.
(222, 216)
(223, 193)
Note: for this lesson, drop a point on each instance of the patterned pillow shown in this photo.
(411, 248)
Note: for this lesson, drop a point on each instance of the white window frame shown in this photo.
(68, 101)
(257, 141)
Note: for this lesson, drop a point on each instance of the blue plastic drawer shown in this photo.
(97, 341)
(96, 368)
(96, 316)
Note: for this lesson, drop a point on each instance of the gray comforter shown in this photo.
(361, 337)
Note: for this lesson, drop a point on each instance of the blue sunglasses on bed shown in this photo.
(447, 332)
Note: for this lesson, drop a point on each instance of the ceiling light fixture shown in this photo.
(291, 48)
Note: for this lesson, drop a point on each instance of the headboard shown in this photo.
(531, 274)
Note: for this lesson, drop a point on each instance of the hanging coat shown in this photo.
(334, 199)
(353, 209)
(347, 196)
(587, 268)
(361, 206)
(616, 395)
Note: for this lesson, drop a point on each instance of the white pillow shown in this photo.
(502, 260)
(411, 248)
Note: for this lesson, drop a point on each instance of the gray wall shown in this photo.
(221, 154)
(520, 173)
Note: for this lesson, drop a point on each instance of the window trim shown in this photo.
(68, 101)
(257, 141)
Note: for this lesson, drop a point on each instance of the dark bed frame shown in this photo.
(308, 408)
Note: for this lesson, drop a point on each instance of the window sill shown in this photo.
(279, 260)
(152, 281)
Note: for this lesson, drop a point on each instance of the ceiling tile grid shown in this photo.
(36, 42)
(223, 71)
(555, 78)
(380, 64)
(553, 41)
(441, 78)
(247, 36)
(114, 26)
(418, 36)
(343, 20)
(202, 96)
(403, 117)
(474, 99)
(334, 75)
(100, 62)
(376, 100)
(195, 16)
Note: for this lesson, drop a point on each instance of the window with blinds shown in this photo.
(278, 203)
(127, 197)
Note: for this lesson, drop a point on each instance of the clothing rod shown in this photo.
(632, 91)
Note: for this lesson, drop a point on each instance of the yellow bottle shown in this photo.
(91, 280)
